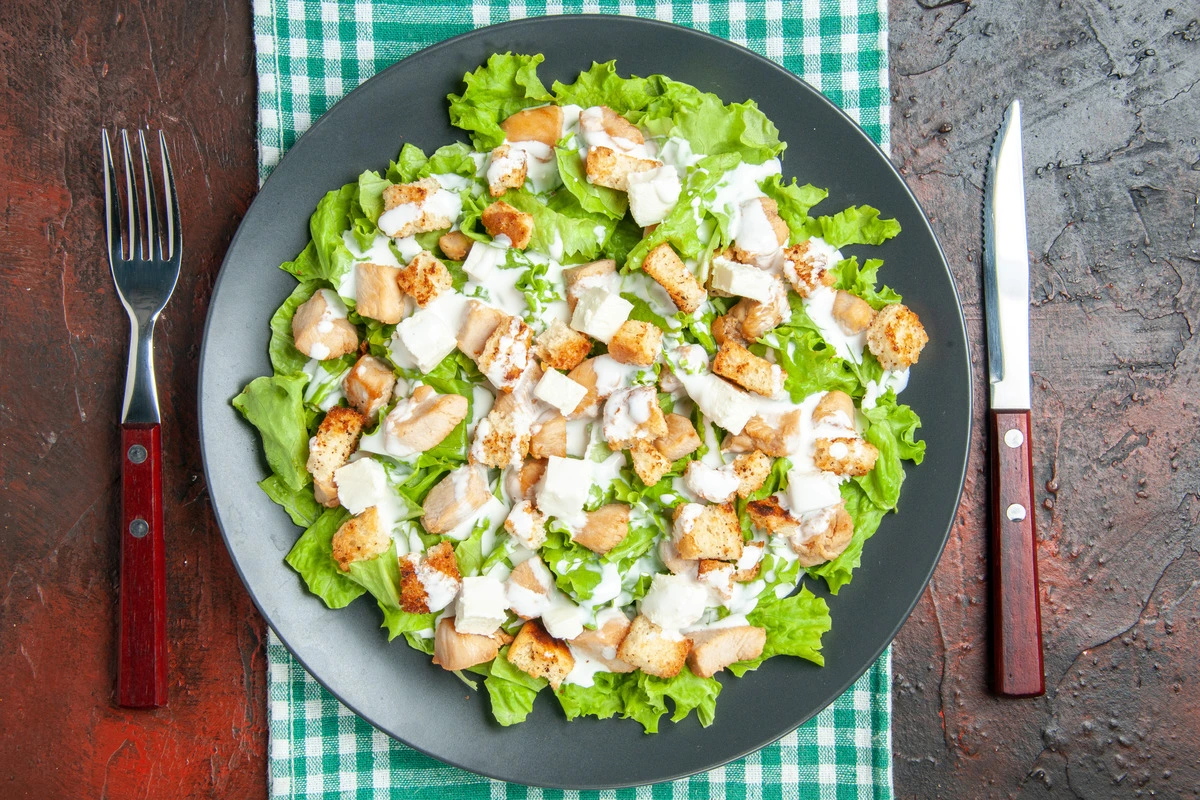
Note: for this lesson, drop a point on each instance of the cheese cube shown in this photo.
(425, 339)
(559, 391)
(674, 601)
(361, 484)
(653, 194)
(481, 606)
(742, 280)
(599, 313)
(719, 400)
(564, 489)
(483, 259)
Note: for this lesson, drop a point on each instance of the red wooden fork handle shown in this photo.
(1017, 615)
(142, 653)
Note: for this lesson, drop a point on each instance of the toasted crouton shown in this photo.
(585, 375)
(506, 170)
(648, 462)
(422, 421)
(717, 575)
(728, 327)
(607, 167)
(455, 498)
(478, 326)
(601, 644)
(653, 650)
(748, 370)
(822, 535)
(712, 532)
(430, 582)
(806, 268)
(680, 439)
(715, 649)
(587, 276)
(752, 470)
(549, 438)
(845, 455)
(542, 124)
(360, 538)
(320, 329)
(377, 292)
(330, 449)
(537, 653)
(896, 337)
(454, 651)
(501, 219)
(526, 524)
(636, 342)
(455, 245)
(835, 409)
(851, 313)
(769, 515)
(631, 415)
(668, 270)
(750, 562)
(561, 347)
(368, 385)
(606, 527)
(506, 354)
(501, 438)
(419, 215)
(424, 278)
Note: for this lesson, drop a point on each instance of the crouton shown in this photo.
(377, 292)
(680, 439)
(330, 448)
(715, 649)
(478, 326)
(430, 582)
(526, 524)
(601, 644)
(502, 438)
(320, 329)
(455, 245)
(896, 337)
(822, 535)
(408, 210)
(506, 170)
(549, 438)
(501, 219)
(851, 313)
(607, 167)
(748, 370)
(585, 375)
(537, 653)
(711, 532)
(602, 119)
(631, 415)
(360, 538)
(455, 651)
(652, 650)
(606, 527)
(424, 278)
(422, 421)
(506, 354)
(748, 565)
(587, 276)
(714, 484)
(716, 575)
(648, 462)
(835, 409)
(668, 270)
(542, 124)
(806, 268)
(561, 347)
(752, 470)
(845, 455)
(455, 498)
(636, 342)
(368, 385)
(769, 515)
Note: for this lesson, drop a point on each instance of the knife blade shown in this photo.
(1017, 629)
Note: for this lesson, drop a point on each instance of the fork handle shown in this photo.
(142, 657)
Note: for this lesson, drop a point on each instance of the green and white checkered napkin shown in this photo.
(311, 53)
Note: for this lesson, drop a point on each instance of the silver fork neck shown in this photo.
(141, 393)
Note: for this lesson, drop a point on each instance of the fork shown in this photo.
(145, 268)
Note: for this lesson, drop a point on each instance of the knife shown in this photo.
(1017, 616)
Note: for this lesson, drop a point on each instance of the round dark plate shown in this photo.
(397, 689)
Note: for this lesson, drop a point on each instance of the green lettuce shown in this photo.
(511, 690)
(867, 516)
(600, 85)
(381, 577)
(855, 225)
(276, 407)
(892, 428)
(328, 222)
(642, 697)
(300, 504)
(810, 363)
(862, 281)
(714, 128)
(285, 358)
(312, 557)
(565, 220)
(794, 627)
(794, 202)
(370, 193)
(592, 198)
(506, 85)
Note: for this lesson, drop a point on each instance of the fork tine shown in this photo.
(135, 235)
(112, 201)
(153, 221)
(174, 238)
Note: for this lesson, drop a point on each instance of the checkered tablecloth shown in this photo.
(312, 52)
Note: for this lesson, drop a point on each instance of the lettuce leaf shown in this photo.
(810, 363)
(855, 225)
(501, 88)
(370, 193)
(714, 128)
(312, 557)
(892, 428)
(381, 577)
(510, 690)
(285, 358)
(592, 198)
(562, 219)
(642, 697)
(576, 569)
(305, 266)
(300, 504)
(867, 516)
(794, 202)
(327, 224)
(862, 281)
(794, 627)
(602, 86)
(276, 407)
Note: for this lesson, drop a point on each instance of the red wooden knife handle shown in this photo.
(142, 654)
(1017, 615)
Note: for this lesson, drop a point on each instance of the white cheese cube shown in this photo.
(564, 489)
(653, 194)
(425, 339)
(742, 280)
(559, 391)
(482, 260)
(562, 618)
(361, 484)
(481, 606)
(720, 401)
(810, 491)
(599, 313)
(674, 601)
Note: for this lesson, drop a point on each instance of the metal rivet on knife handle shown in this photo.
(138, 527)
(137, 454)
(1015, 512)
(1014, 438)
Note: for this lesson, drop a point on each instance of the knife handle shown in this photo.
(1017, 615)
(142, 649)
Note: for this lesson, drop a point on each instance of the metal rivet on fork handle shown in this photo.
(137, 454)
(139, 527)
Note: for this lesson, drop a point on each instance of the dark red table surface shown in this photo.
(1112, 125)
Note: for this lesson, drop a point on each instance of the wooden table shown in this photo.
(1112, 119)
